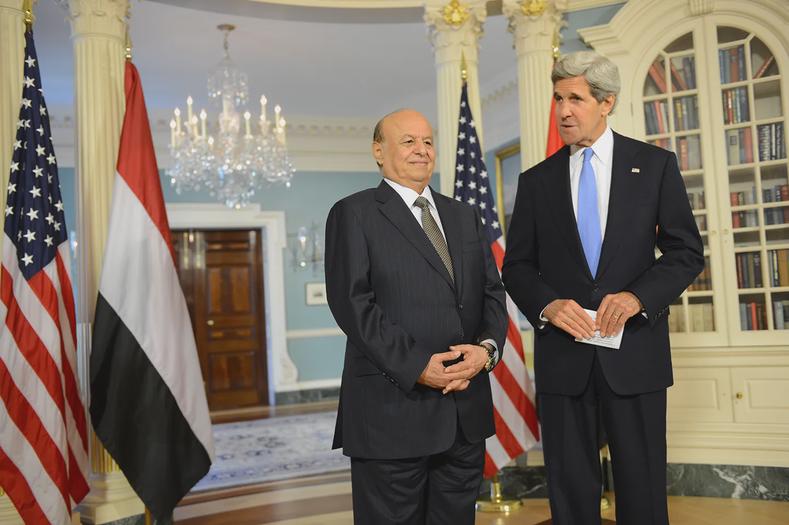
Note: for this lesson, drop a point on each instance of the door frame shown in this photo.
(282, 373)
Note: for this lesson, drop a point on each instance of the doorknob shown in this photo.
(738, 395)
(210, 322)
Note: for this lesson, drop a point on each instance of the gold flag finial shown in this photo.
(27, 8)
(463, 67)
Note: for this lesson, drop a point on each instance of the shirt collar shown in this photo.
(603, 148)
(409, 196)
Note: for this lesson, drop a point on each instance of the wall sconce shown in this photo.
(306, 248)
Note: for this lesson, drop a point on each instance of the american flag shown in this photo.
(513, 393)
(43, 432)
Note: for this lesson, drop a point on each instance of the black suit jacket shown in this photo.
(648, 208)
(394, 299)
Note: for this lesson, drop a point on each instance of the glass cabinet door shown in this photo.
(671, 118)
(752, 109)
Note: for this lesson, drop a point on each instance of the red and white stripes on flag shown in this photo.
(513, 393)
(43, 430)
(514, 409)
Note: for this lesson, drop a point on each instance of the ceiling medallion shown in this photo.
(455, 13)
(533, 7)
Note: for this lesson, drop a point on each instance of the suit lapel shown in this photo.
(454, 237)
(561, 198)
(624, 186)
(395, 210)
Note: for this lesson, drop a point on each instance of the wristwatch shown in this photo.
(491, 362)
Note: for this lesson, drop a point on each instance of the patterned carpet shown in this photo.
(273, 449)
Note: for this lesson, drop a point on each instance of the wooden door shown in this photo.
(221, 272)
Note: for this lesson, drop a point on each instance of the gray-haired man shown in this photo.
(583, 235)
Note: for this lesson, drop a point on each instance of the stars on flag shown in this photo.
(471, 179)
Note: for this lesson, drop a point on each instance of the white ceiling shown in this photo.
(347, 66)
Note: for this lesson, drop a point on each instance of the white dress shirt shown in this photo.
(409, 196)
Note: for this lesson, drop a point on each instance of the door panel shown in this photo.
(222, 273)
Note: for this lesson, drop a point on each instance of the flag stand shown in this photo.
(148, 520)
(497, 503)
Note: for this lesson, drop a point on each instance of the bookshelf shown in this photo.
(746, 289)
(753, 125)
(672, 121)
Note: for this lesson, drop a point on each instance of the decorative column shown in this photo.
(98, 33)
(455, 27)
(12, 46)
(534, 24)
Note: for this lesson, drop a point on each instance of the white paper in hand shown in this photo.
(612, 341)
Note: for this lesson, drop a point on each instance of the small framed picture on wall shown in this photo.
(508, 167)
(316, 294)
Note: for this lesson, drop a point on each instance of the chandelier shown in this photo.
(231, 159)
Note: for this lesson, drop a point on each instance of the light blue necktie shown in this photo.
(588, 217)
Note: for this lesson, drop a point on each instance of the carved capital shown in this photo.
(535, 24)
(106, 18)
(455, 26)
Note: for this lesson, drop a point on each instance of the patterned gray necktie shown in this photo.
(434, 234)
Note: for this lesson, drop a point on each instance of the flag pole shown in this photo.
(497, 503)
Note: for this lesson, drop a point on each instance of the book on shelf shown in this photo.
(781, 314)
(763, 68)
(779, 267)
(677, 78)
(749, 269)
(731, 63)
(735, 105)
(656, 114)
(696, 200)
(772, 145)
(739, 146)
(689, 71)
(703, 282)
(752, 316)
(658, 76)
(743, 198)
(701, 317)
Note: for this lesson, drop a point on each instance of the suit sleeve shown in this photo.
(352, 301)
(494, 307)
(679, 242)
(521, 270)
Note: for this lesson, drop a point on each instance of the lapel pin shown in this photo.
(635, 170)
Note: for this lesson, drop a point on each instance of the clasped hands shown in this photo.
(613, 313)
(456, 377)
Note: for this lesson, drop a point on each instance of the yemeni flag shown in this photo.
(148, 405)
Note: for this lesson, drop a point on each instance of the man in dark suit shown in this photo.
(584, 230)
(411, 281)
